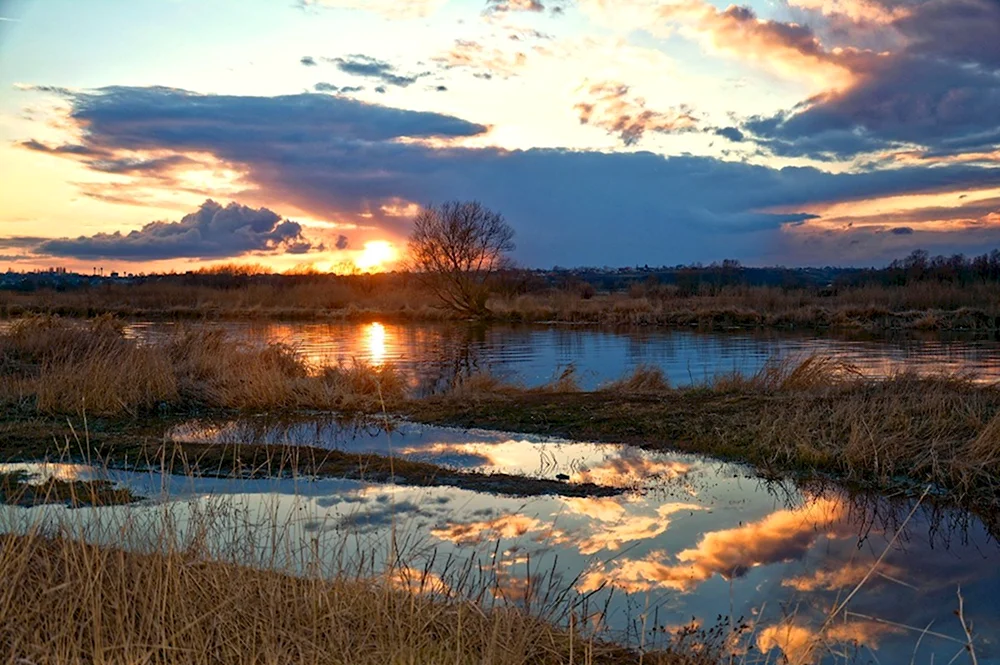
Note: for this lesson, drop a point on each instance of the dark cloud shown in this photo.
(214, 231)
(501, 6)
(322, 86)
(380, 89)
(131, 165)
(308, 61)
(901, 230)
(937, 90)
(124, 118)
(21, 242)
(342, 242)
(369, 67)
(514, 6)
(68, 149)
(336, 157)
(731, 133)
(898, 101)
(967, 31)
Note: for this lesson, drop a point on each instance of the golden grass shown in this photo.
(59, 366)
(789, 374)
(922, 306)
(643, 379)
(208, 586)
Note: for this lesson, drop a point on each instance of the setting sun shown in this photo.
(375, 255)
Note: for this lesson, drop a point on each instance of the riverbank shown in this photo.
(919, 306)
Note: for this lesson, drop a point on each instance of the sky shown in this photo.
(177, 134)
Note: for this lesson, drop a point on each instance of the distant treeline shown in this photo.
(920, 266)
(681, 280)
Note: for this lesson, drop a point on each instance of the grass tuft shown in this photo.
(643, 379)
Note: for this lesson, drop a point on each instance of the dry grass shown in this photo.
(922, 306)
(484, 385)
(59, 366)
(925, 306)
(643, 379)
(201, 588)
(17, 489)
(789, 374)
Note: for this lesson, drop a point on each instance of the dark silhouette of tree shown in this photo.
(455, 249)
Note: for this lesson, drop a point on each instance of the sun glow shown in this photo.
(375, 255)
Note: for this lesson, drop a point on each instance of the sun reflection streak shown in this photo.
(376, 343)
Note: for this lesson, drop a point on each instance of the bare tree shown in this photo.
(455, 247)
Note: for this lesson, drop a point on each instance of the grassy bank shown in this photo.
(918, 306)
(173, 599)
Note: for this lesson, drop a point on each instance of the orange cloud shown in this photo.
(848, 575)
(505, 526)
(630, 470)
(612, 109)
(612, 535)
(788, 49)
(859, 11)
(412, 580)
(472, 54)
(781, 536)
(805, 645)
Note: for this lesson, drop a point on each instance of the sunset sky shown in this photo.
(172, 134)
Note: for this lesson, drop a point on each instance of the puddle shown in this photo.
(459, 449)
(769, 555)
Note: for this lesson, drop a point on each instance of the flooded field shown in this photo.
(691, 541)
(433, 354)
(674, 543)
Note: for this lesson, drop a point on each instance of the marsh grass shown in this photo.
(485, 384)
(59, 366)
(789, 374)
(927, 305)
(643, 379)
(212, 583)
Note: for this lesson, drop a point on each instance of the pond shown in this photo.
(693, 541)
(431, 355)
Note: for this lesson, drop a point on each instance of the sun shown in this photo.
(375, 255)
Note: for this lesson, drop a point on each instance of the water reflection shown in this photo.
(376, 343)
(469, 450)
(433, 355)
(775, 558)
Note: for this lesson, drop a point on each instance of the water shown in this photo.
(693, 540)
(481, 451)
(431, 355)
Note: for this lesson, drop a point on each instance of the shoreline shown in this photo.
(626, 313)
